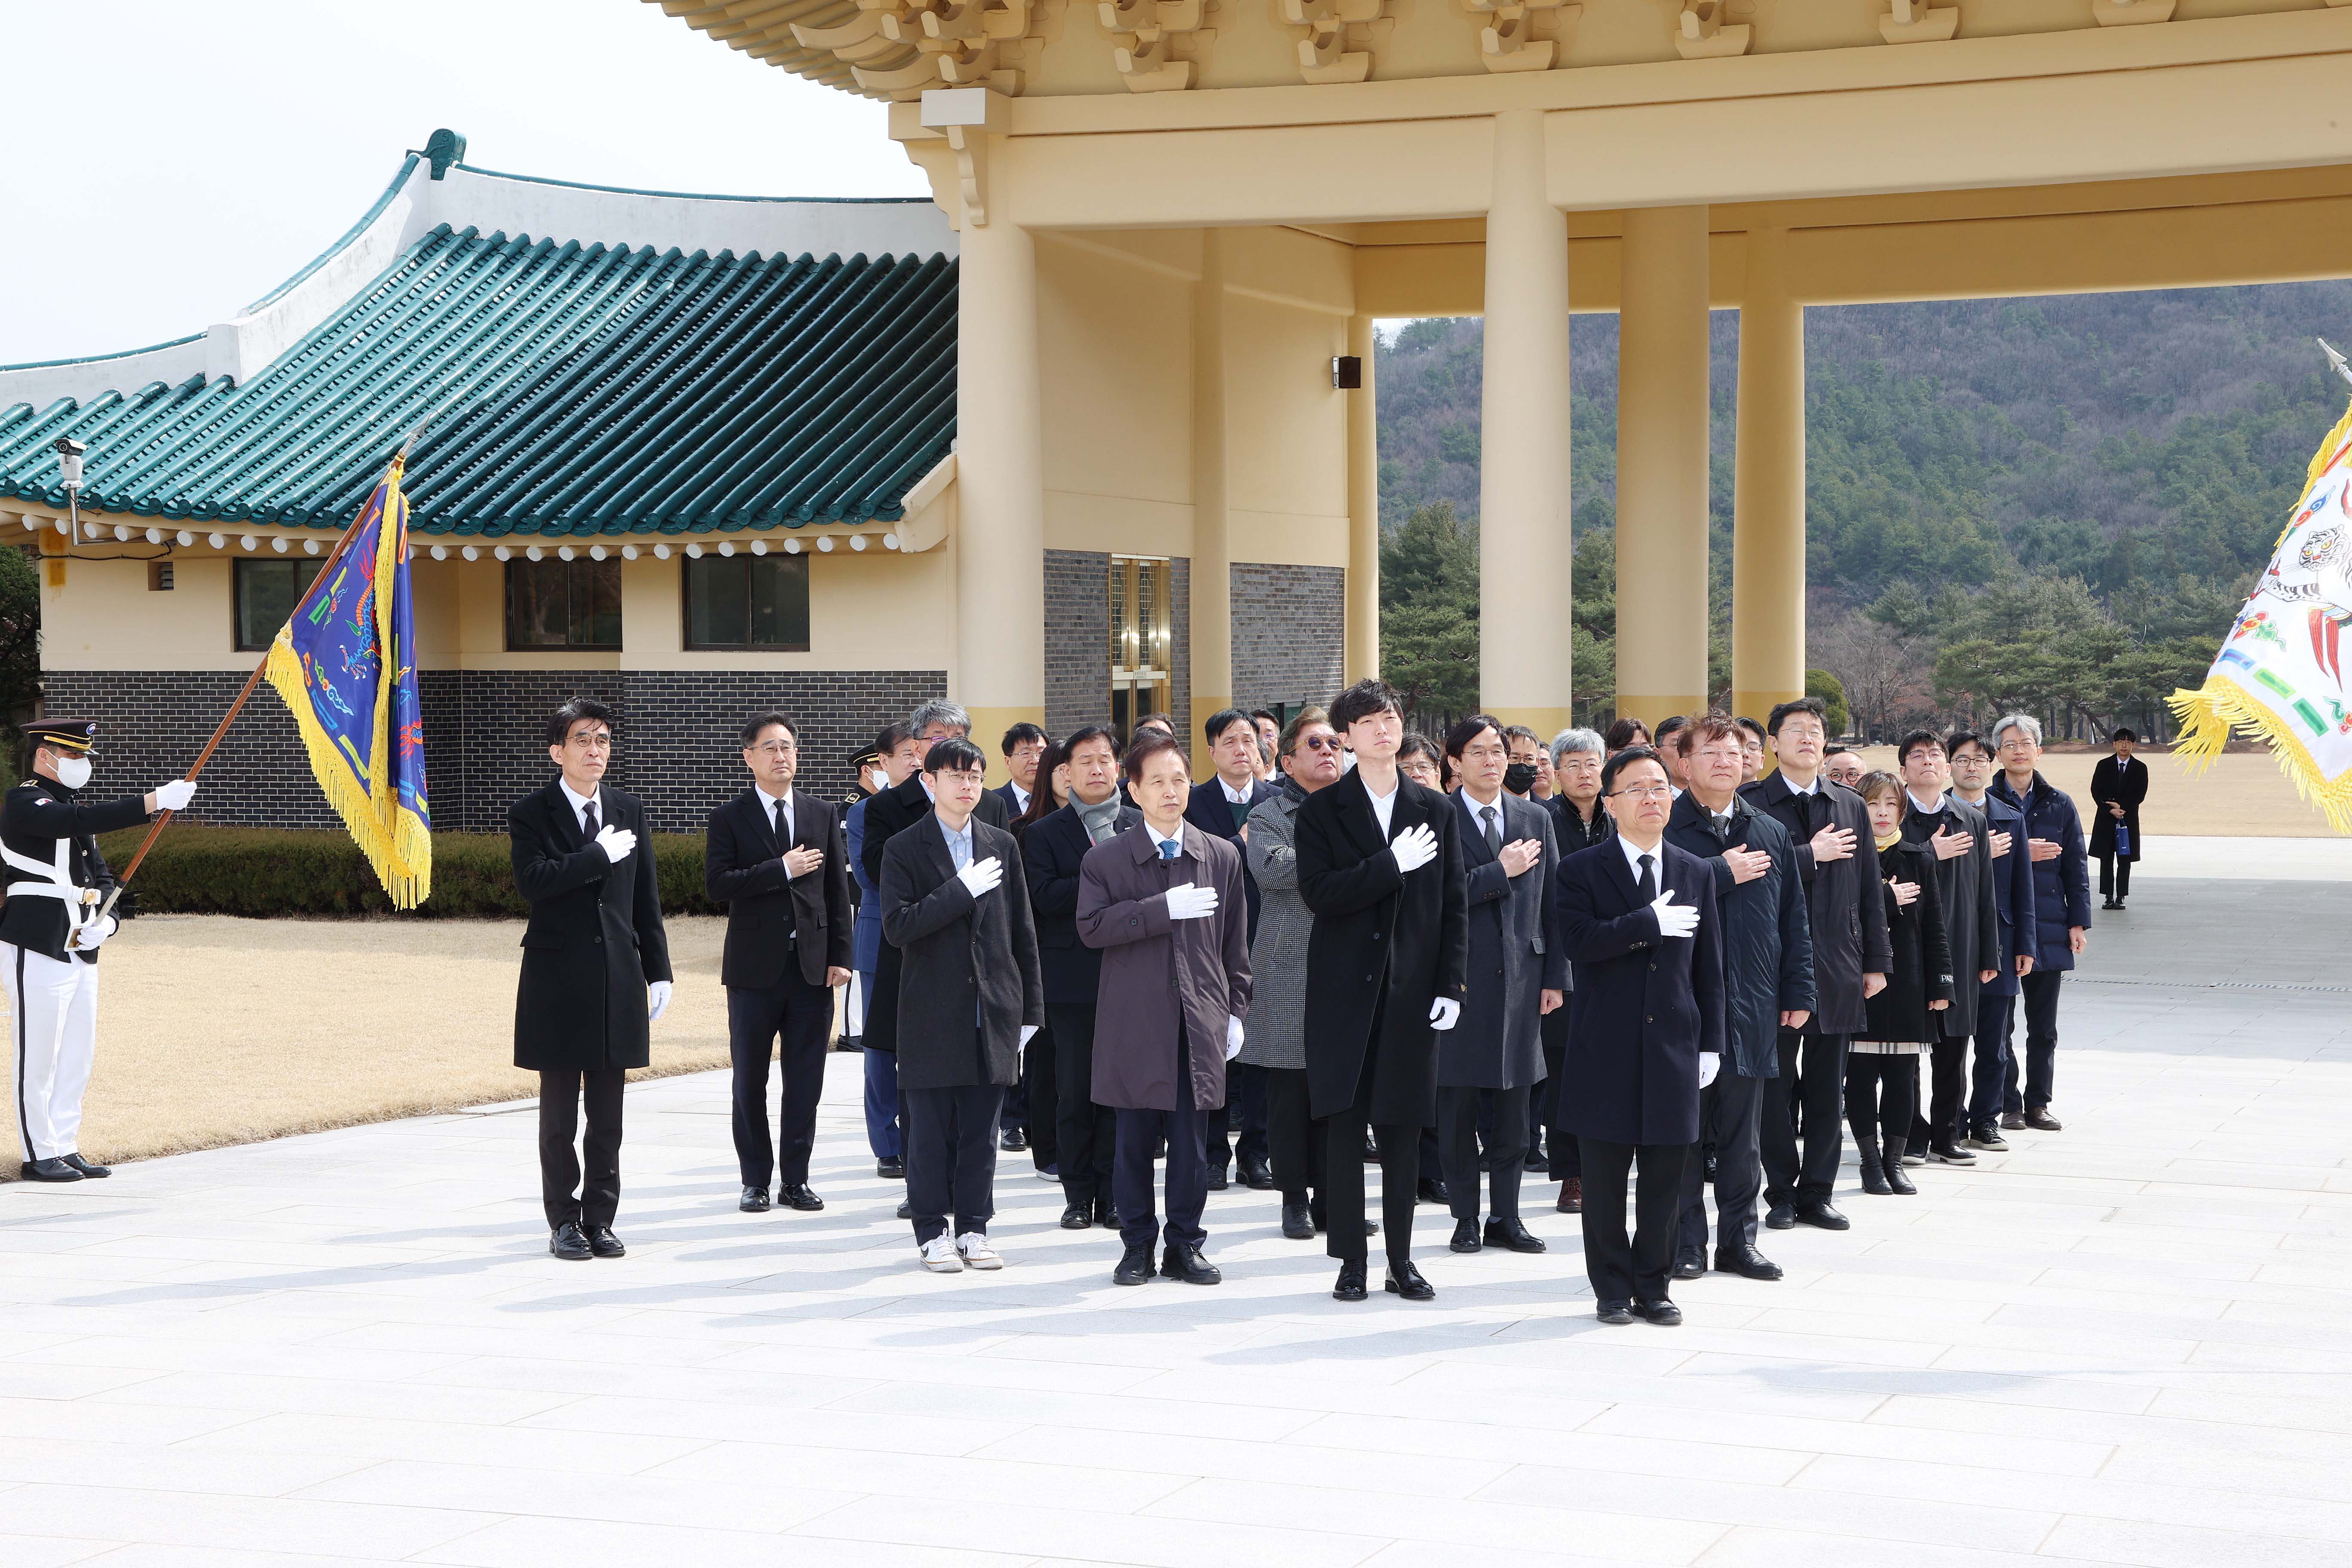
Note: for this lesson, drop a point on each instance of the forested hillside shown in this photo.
(2049, 503)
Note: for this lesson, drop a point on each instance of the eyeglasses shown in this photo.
(1323, 743)
(775, 749)
(1643, 791)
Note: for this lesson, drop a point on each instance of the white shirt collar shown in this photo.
(579, 802)
(1022, 795)
(1633, 860)
(1235, 796)
(1384, 806)
(769, 801)
(1930, 807)
(1477, 806)
(1811, 787)
(1177, 838)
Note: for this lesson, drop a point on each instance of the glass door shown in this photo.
(1141, 623)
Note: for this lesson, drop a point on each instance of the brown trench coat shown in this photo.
(1156, 969)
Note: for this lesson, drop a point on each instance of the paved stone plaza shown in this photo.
(2126, 1342)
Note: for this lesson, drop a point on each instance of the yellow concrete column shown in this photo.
(1662, 465)
(1361, 653)
(1212, 620)
(1767, 533)
(1524, 552)
(1000, 672)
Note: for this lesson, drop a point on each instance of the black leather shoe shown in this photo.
(796, 1195)
(892, 1170)
(1665, 1314)
(2042, 1121)
(1077, 1217)
(1218, 1180)
(1296, 1225)
(1512, 1235)
(1780, 1216)
(1824, 1216)
(602, 1242)
(1014, 1140)
(1134, 1267)
(1350, 1286)
(1406, 1280)
(1372, 1148)
(1690, 1265)
(754, 1201)
(567, 1243)
(48, 1171)
(89, 1171)
(1746, 1262)
(1465, 1235)
(1432, 1191)
(1256, 1177)
(906, 1211)
(2013, 1120)
(1186, 1263)
(1616, 1315)
(1105, 1216)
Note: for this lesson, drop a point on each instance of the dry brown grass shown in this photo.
(2241, 795)
(216, 1030)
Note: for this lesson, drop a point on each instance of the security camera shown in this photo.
(69, 453)
(67, 446)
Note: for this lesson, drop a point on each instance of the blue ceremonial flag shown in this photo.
(345, 662)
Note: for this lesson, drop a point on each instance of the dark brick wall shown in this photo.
(1078, 639)
(1288, 629)
(677, 748)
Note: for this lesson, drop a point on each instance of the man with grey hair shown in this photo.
(1578, 823)
(2062, 886)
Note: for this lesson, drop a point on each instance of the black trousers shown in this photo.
(2040, 994)
(567, 1199)
(1881, 1094)
(1294, 1138)
(1238, 1128)
(1634, 1269)
(951, 1156)
(1343, 1169)
(800, 1015)
(1458, 1115)
(1084, 1131)
(1943, 1115)
(1042, 1097)
(1989, 1077)
(2115, 877)
(1543, 1104)
(1730, 1112)
(1813, 1076)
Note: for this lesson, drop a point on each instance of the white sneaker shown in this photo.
(940, 1256)
(977, 1253)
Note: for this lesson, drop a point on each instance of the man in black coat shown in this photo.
(595, 971)
(1222, 807)
(1973, 767)
(1380, 868)
(1957, 834)
(1768, 986)
(1051, 853)
(1837, 861)
(2118, 786)
(774, 857)
(955, 904)
(1640, 921)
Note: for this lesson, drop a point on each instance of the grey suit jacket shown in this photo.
(1515, 954)
(1276, 1037)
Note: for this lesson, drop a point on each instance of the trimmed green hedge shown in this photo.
(265, 871)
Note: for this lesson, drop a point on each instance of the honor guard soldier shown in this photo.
(50, 930)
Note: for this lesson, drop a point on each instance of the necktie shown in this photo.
(1647, 889)
(1494, 834)
(588, 820)
(783, 828)
(1168, 849)
(1722, 829)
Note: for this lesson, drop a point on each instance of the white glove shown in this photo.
(1443, 1013)
(1709, 1064)
(617, 843)
(1028, 1032)
(1414, 847)
(1232, 1036)
(657, 995)
(981, 876)
(175, 794)
(87, 939)
(1674, 920)
(1187, 902)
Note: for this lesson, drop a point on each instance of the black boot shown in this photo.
(1898, 1180)
(1874, 1174)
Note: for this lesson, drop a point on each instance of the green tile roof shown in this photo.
(572, 389)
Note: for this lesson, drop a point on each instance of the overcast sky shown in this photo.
(176, 159)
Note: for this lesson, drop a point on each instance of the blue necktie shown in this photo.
(1168, 849)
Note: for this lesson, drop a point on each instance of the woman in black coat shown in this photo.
(1882, 1066)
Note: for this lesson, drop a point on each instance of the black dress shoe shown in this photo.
(1616, 1315)
(48, 1171)
(754, 1200)
(1746, 1262)
(796, 1195)
(1780, 1216)
(1218, 1181)
(1690, 1265)
(1077, 1217)
(1465, 1235)
(1014, 1140)
(907, 1211)
(1134, 1267)
(1824, 1217)
(891, 1169)
(1512, 1235)
(1105, 1216)
(1406, 1280)
(2042, 1121)
(1372, 1148)
(602, 1242)
(1296, 1225)
(1257, 1177)
(89, 1171)
(1536, 1160)
(567, 1243)
(1432, 1191)
(1665, 1314)
(1186, 1263)
(1350, 1286)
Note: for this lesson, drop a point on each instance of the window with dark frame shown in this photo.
(742, 603)
(563, 604)
(266, 593)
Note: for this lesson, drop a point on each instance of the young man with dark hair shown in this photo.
(971, 997)
(1024, 744)
(1752, 745)
(1973, 765)
(595, 971)
(1379, 864)
(1222, 807)
(2118, 786)
(1958, 835)
(775, 856)
(896, 759)
(1529, 774)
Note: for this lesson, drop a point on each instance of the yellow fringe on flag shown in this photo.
(2209, 717)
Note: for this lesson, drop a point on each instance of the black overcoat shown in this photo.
(888, 815)
(1514, 955)
(967, 965)
(743, 868)
(1052, 850)
(1964, 886)
(1767, 938)
(2118, 783)
(595, 940)
(1846, 899)
(1158, 973)
(1384, 946)
(1922, 971)
(1645, 1006)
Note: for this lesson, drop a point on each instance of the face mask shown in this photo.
(73, 772)
(1519, 777)
(877, 781)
